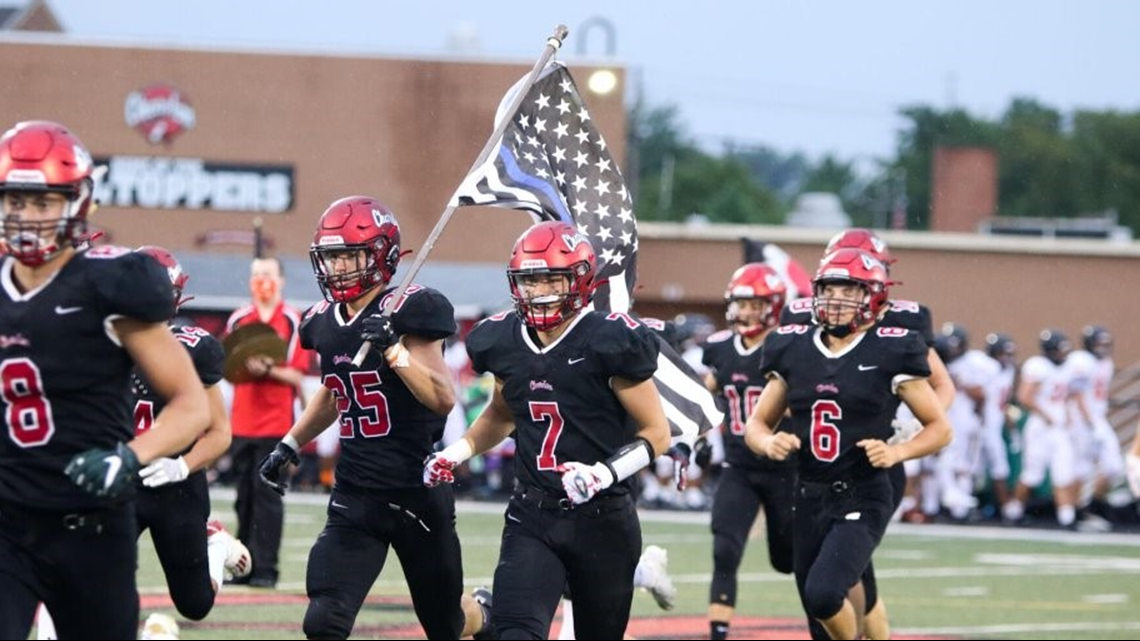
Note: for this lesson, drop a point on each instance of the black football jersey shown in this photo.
(208, 357)
(837, 400)
(906, 314)
(560, 394)
(65, 377)
(385, 433)
(739, 381)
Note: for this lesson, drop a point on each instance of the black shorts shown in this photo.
(838, 526)
(81, 565)
(419, 525)
(547, 545)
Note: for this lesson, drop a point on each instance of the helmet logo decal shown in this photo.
(381, 217)
(160, 112)
(83, 160)
(572, 240)
(331, 240)
(533, 263)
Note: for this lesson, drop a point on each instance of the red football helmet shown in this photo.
(363, 232)
(849, 266)
(863, 239)
(44, 156)
(556, 249)
(178, 277)
(754, 281)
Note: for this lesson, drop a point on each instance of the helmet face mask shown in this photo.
(38, 159)
(850, 290)
(356, 248)
(551, 274)
(754, 299)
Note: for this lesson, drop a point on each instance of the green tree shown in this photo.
(929, 129)
(676, 178)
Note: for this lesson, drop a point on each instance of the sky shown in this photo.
(821, 77)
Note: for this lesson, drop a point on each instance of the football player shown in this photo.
(74, 320)
(843, 378)
(173, 501)
(1092, 370)
(575, 389)
(1043, 392)
(754, 297)
(391, 410)
(897, 313)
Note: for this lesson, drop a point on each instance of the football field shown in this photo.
(938, 581)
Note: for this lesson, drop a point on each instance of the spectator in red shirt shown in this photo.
(262, 413)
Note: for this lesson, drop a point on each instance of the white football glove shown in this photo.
(163, 471)
(438, 469)
(582, 482)
(1132, 463)
(905, 430)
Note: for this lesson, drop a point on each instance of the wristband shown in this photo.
(291, 443)
(630, 459)
(458, 451)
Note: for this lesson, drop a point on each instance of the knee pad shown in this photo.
(727, 553)
(323, 620)
(822, 601)
(195, 608)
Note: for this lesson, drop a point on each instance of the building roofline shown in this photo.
(946, 241)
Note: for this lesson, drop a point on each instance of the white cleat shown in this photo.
(652, 573)
(239, 562)
(159, 626)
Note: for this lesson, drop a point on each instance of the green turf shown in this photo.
(961, 582)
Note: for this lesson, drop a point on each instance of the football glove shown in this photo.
(582, 482)
(905, 430)
(438, 469)
(379, 330)
(104, 473)
(680, 452)
(164, 471)
(274, 464)
(702, 452)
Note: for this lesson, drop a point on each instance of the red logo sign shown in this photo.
(159, 112)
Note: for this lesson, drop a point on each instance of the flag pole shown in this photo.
(553, 44)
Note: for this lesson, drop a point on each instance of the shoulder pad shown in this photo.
(131, 284)
(423, 311)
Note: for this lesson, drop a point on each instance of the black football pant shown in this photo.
(738, 498)
(592, 548)
(419, 524)
(81, 565)
(176, 516)
(837, 528)
(260, 510)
